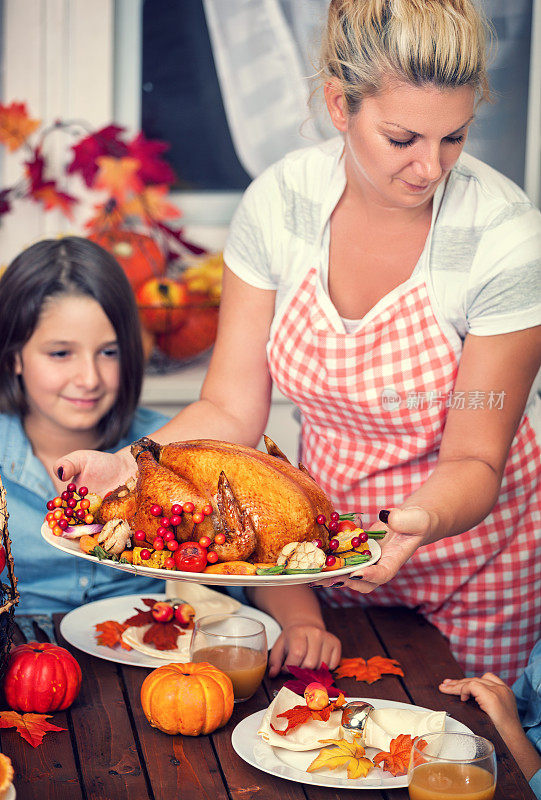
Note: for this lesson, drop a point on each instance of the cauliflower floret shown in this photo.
(114, 536)
(301, 555)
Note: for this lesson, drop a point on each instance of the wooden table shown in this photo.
(110, 752)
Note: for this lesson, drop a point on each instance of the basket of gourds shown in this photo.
(9, 596)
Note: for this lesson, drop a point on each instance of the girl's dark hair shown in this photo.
(70, 266)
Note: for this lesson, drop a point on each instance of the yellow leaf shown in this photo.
(342, 754)
(359, 767)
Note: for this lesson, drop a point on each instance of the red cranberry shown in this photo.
(50, 505)
(366, 553)
(62, 523)
(82, 491)
(333, 527)
(168, 536)
(65, 495)
(355, 542)
(145, 554)
(176, 509)
(72, 502)
(330, 561)
(71, 487)
(172, 545)
(161, 531)
(363, 537)
(321, 519)
(158, 543)
(156, 511)
(334, 544)
(335, 516)
(175, 520)
(318, 543)
(139, 536)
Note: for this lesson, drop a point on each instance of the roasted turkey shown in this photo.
(259, 500)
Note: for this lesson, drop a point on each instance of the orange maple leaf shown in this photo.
(49, 195)
(300, 714)
(108, 216)
(368, 671)
(397, 759)
(118, 175)
(110, 634)
(151, 205)
(16, 125)
(32, 727)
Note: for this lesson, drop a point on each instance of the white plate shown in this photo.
(77, 627)
(71, 546)
(292, 764)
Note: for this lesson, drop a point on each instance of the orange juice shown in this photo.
(451, 782)
(244, 666)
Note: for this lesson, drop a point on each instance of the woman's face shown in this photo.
(70, 366)
(404, 141)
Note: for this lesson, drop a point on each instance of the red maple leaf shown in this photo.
(34, 170)
(110, 634)
(32, 727)
(370, 670)
(306, 676)
(5, 205)
(105, 142)
(397, 759)
(153, 169)
(300, 714)
(163, 635)
(142, 617)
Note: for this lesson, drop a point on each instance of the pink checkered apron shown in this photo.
(373, 405)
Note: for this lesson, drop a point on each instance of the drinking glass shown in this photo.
(236, 645)
(452, 766)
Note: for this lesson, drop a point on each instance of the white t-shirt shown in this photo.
(481, 262)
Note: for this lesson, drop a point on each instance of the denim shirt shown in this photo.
(48, 580)
(527, 691)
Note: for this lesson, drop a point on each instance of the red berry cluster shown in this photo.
(70, 508)
(166, 538)
(334, 544)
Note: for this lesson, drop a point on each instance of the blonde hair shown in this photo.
(443, 42)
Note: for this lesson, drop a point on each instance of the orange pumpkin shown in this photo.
(138, 255)
(190, 699)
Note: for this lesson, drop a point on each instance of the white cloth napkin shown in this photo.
(307, 736)
(385, 724)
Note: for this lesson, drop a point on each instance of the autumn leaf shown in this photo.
(152, 169)
(110, 634)
(397, 759)
(163, 635)
(298, 715)
(32, 727)
(51, 198)
(306, 676)
(370, 670)
(34, 170)
(142, 617)
(109, 216)
(5, 205)
(343, 753)
(105, 142)
(16, 125)
(151, 206)
(118, 176)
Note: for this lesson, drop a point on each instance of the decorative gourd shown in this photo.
(40, 678)
(138, 255)
(190, 699)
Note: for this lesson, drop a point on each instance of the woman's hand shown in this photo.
(304, 646)
(407, 529)
(100, 472)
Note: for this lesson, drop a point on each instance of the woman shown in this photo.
(387, 283)
(71, 367)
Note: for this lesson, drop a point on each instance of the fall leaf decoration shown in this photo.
(32, 727)
(397, 759)
(306, 676)
(110, 634)
(163, 635)
(300, 714)
(368, 671)
(343, 753)
(16, 125)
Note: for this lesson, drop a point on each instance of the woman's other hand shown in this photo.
(101, 472)
(304, 646)
(407, 529)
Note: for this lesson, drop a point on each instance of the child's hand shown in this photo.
(304, 646)
(493, 695)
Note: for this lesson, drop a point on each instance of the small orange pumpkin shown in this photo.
(191, 699)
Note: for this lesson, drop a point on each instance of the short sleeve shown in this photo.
(248, 250)
(504, 290)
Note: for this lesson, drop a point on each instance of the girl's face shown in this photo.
(70, 366)
(404, 141)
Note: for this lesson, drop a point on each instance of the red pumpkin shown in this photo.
(138, 255)
(161, 304)
(41, 678)
(198, 332)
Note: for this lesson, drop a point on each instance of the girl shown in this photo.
(71, 368)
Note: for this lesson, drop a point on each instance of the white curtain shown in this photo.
(266, 50)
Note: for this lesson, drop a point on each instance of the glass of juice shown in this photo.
(236, 645)
(452, 766)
